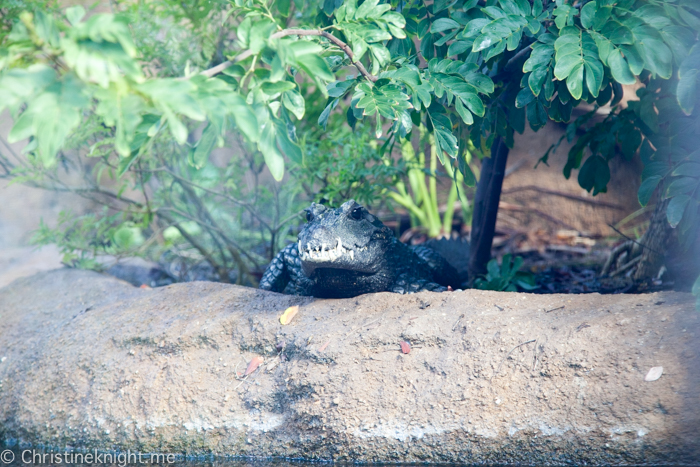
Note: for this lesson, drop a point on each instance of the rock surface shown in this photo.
(87, 360)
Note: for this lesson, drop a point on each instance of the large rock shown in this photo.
(90, 361)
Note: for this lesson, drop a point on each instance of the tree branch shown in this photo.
(297, 32)
(515, 58)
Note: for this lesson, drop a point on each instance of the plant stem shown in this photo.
(488, 195)
(298, 32)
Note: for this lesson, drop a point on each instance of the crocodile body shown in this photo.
(347, 251)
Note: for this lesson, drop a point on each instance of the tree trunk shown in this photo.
(644, 256)
(656, 241)
(488, 195)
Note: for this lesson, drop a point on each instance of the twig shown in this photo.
(361, 326)
(534, 357)
(511, 351)
(562, 195)
(515, 167)
(514, 59)
(635, 241)
(626, 266)
(297, 32)
(458, 320)
(555, 309)
(514, 207)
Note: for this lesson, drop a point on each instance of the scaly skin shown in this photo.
(347, 252)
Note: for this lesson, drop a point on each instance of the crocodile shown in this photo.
(347, 251)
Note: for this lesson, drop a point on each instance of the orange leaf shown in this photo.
(289, 314)
(405, 347)
(253, 365)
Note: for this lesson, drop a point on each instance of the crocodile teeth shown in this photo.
(324, 253)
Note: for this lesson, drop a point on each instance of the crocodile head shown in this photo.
(344, 248)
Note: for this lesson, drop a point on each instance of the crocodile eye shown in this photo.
(356, 213)
(309, 216)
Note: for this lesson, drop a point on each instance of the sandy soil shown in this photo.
(90, 361)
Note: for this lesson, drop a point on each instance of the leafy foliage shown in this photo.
(346, 165)
(507, 277)
(466, 71)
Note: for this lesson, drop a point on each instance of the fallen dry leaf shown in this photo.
(253, 365)
(654, 374)
(289, 314)
(405, 347)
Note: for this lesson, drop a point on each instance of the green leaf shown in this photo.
(440, 5)
(474, 27)
(288, 146)
(536, 115)
(681, 186)
(630, 143)
(588, 14)
(294, 102)
(315, 67)
(301, 48)
(177, 128)
(647, 188)
(675, 209)
(594, 175)
(283, 7)
(245, 119)
(268, 147)
(458, 47)
(657, 56)
(445, 141)
(260, 32)
(175, 95)
(75, 14)
(127, 237)
(22, 129)
(594, 75)
(444, 24)
(366, 8)
(323, 118)
(524, 97)
(688, 73)
(619, 68)
(469, 177)
(601, 16)
(537, 8)
(463, 112)
(689, 169)
(276, 88)
(575, 81)
(51, 116)
(204, 146)
(566, 64)
(126, 162)
(237, 71)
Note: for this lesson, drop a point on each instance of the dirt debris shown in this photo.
(87, 360)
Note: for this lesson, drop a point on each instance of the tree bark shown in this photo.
(488, 195)
(646, 255)
(656, 241)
